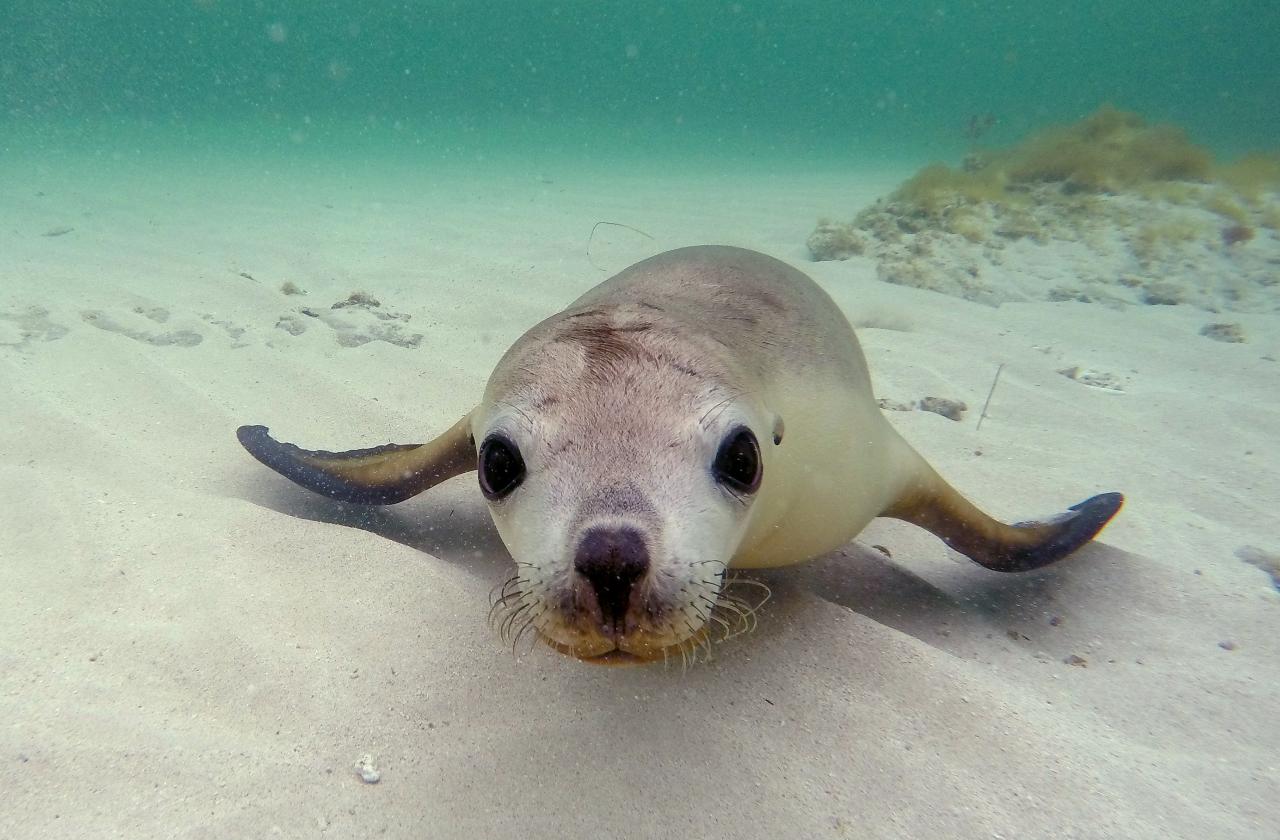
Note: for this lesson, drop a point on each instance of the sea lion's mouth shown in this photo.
(593, 655)
(636, 652)
(572, 632)
(615, 657)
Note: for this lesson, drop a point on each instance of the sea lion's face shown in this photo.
(622, 500)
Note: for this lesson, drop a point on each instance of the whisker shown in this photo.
(745, 581)
(724, 624)
(530, 622)
(745, 610)
(515, 615)
(704, 642)
(736, 614)
(514, 589)
(497, 591)
(703, 421)
(507, 599)
(736, 621)
(518, 410)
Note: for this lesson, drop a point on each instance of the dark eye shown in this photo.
(737, 464)
(501, 467)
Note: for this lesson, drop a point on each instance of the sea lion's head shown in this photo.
(620, 463)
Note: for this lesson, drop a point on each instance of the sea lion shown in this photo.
(705, 409)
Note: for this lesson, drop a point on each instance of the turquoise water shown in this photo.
(193, 192)
(800, 79)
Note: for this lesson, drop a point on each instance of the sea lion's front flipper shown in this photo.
(935, 506)
(382, 475)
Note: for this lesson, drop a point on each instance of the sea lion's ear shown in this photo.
(935, 506)
(382, 475)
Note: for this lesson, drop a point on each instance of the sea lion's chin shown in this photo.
(637, 648)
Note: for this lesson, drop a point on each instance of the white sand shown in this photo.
(192, 647)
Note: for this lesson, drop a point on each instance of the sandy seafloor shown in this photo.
(192, 647)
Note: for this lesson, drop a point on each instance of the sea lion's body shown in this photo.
(708, 407)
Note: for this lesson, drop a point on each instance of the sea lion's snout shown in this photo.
(612, 560)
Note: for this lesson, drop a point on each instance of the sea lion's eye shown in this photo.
(501, 467)
(737, 464)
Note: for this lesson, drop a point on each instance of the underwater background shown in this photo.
(333, 219)
(812, 80)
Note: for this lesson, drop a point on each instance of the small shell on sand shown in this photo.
(950, 409)
(895, 405)
(1093, 378)
(358, 299)
(1230, 333)
(367, 772)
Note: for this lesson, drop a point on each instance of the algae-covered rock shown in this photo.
(1135, 212)
(832, 241)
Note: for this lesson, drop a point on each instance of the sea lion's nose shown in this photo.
(612, 560)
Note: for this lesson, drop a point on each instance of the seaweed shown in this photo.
(938, 188)
(1222, 203)
(1108, 151)
(1252, 175)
